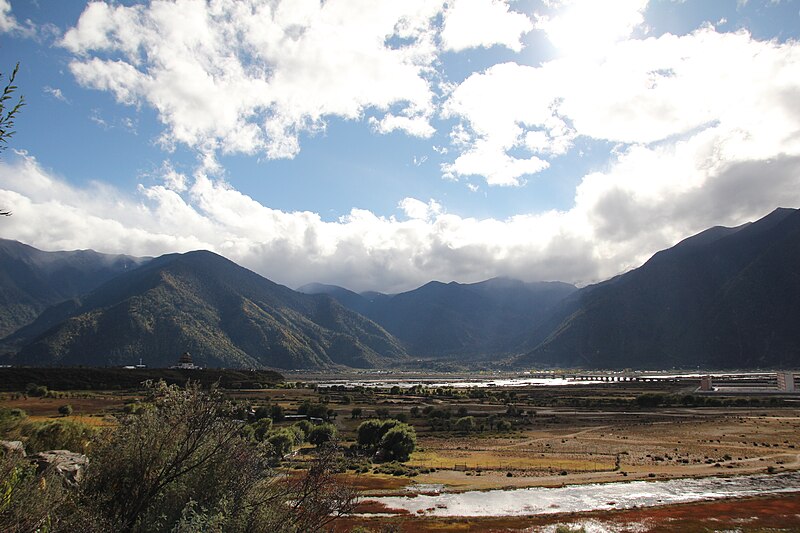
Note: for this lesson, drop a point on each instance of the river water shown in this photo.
(581, 498)
(456, 383)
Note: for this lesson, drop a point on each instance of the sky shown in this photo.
(379, 145)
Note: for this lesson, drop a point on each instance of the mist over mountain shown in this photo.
(32, 280)
(725, 298)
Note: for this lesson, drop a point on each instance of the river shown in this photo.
(581, 498)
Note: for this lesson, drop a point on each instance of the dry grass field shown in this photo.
(555, 436)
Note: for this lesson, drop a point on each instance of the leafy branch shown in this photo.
(8, 113)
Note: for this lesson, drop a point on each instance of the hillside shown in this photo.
(475, 320)
(725, 298)
(32, 280)
(225, 315)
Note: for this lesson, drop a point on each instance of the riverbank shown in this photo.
(775, 513)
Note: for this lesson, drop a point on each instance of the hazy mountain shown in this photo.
(727, 297)
(32, 280)
(225, 315)
(346, 297)
(453, 319)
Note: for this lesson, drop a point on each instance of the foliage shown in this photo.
(398, 443)
(27, 498)
(57, 435)
(261, 428)
(356, 412)
(32, 389)
(8, 114)
(183, 466)
(322, 434)
(504, 425)
(65, 410)
(650, 399)
(370, 432)
(466, 424)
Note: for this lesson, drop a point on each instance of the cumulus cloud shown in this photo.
(617, 222)
(483, 23)
(643, 91)
(253, 76)
(590, 27)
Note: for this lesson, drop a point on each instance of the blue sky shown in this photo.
(379, 145)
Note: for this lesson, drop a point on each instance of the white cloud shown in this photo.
(55, 93)
(483, 23)
(642, 91)
(416, 209)
(591, 27)
(617, 222)
(8, 22)
(252, 76)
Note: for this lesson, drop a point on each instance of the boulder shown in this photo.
(69, 465)
(13, 447)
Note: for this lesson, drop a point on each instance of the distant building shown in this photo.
(786, 381)
(705, 383)
(185, 362)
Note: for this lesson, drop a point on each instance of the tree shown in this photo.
(380, 436)
(65, 410)
(398, 443)
(261, 428)
(370, 432)
(321, 434)
(465, 424)
(356, 412)
(8, 115)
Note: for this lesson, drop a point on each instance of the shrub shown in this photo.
(370, 432)
(398, 443)
(183, 466)
(261, 428)
(65, 410)
(504, 425)
(58, 435)
(322, 434)
(466, 424)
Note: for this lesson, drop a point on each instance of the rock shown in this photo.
(69, 465)
(13, 447)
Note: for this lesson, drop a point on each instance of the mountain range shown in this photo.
(725, 298)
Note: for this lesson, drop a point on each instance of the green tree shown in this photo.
(276, 412)
(466, 424)
(261, 428)
(356, 412)
(65, 410)
(321, 434)
(398, 443)
(370, 432)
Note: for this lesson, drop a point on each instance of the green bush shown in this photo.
(58, 435)
(466, 424)
(321, 434)
(398, 443)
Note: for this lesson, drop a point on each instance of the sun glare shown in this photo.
(591, 27)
